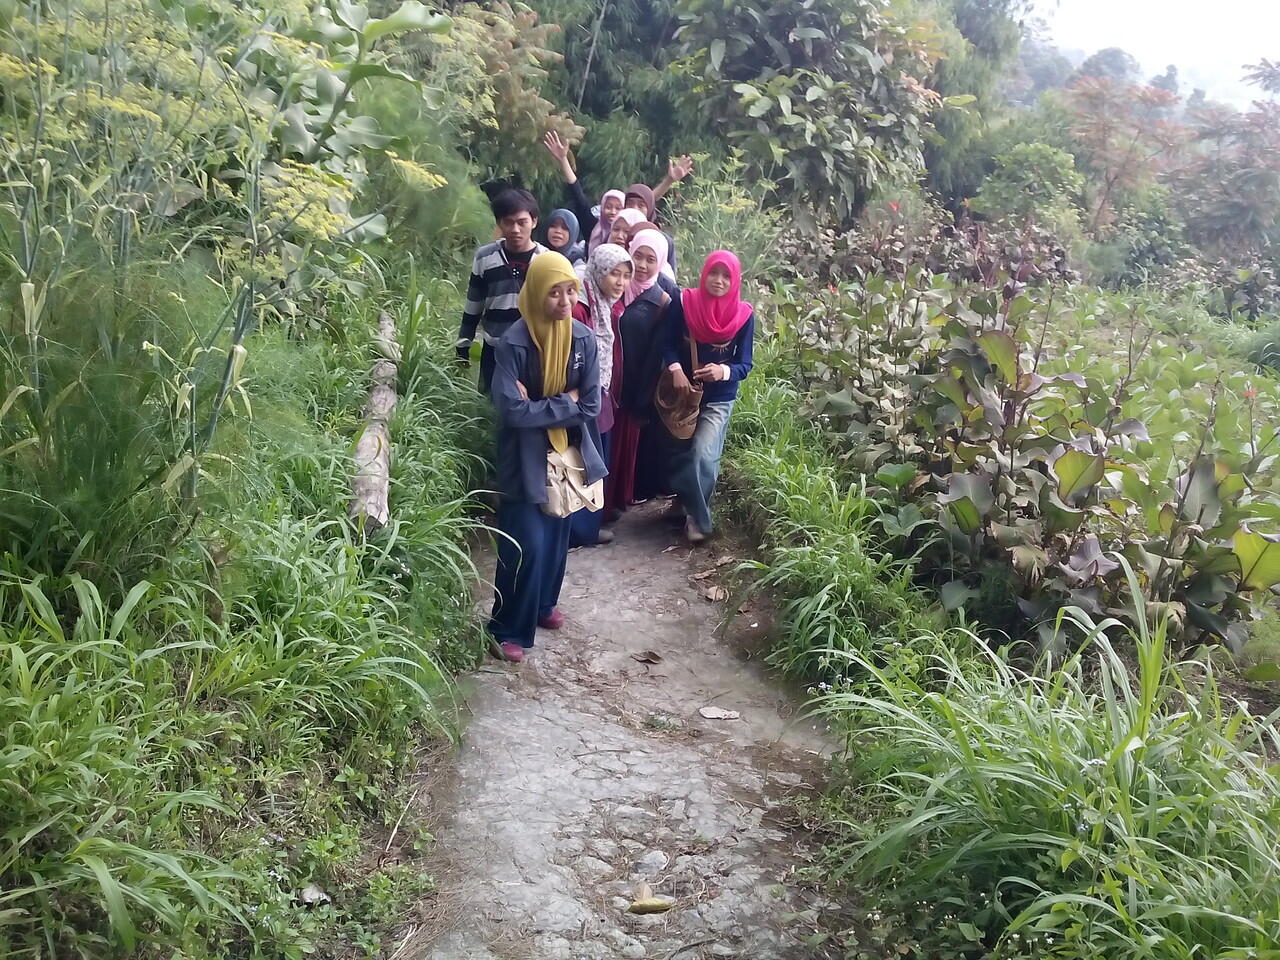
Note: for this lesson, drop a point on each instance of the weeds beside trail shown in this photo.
(177, 767)
(987, 806)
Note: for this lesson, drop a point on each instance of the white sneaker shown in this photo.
(692, 533)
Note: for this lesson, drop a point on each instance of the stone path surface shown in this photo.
(585, 770)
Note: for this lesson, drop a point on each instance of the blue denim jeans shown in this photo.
(694, 471)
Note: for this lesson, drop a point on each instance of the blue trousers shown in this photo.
(530, 570)
(694, 471)
(584, 526)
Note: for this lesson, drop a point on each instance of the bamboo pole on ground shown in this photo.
(371, 485)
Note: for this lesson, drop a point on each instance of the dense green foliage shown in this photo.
(212, 681)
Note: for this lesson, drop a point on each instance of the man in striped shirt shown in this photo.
(497, 274)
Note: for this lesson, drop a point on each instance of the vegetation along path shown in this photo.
(590, 769)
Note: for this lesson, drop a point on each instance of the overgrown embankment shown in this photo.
(1116, 804)
(204, 761)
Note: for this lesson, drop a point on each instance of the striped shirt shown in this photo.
(493, 293)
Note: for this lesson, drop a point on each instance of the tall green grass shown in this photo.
(176, 765)
(840, 589)
(1100, 809)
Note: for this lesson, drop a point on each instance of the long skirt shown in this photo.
(532, 552)
(620, 485)
(584, 525)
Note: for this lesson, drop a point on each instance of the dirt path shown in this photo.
(585, 770)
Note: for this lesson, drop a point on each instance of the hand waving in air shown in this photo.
(556, 146)
(679, 167)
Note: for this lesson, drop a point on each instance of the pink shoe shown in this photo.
(553, 620)
(511, 652)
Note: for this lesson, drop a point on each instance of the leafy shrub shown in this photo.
(1042, 433)
(1090, 811)
(820, 97)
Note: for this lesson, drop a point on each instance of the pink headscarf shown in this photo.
(655, 241)
(716, 319)
(601, 232)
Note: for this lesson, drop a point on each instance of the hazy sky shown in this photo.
(1208, 40)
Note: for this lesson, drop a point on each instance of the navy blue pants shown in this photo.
(584, 525)
(530, 570)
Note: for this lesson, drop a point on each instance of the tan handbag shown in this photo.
(567, 487)
(677, 408)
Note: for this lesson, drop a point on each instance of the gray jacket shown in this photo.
(521, 459)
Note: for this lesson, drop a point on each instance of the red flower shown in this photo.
(894, 205)
(1251, 393)
(831, 288)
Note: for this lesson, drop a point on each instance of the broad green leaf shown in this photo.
(760, 107)
(1002, 351)
(1259, 559)
(412, 15)
(1264, 673)
(1076, 472)
(960, 100)
(953, 390)
(954, 595)
(895, 476)
(969, 499)
(716, 53)
(1198, 487)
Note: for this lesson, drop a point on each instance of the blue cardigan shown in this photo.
(736, 353)
(521, 460)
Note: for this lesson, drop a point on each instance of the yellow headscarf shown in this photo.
(553, 338)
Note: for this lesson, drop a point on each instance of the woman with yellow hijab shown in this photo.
(546, 391)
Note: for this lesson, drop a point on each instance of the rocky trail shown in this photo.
(591, 769)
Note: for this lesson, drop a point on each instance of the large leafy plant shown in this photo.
(1049, 435)
(822, 97)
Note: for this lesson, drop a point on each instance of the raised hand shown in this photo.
(679, 168)
(556, 146)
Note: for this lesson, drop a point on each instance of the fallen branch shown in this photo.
(371, 485)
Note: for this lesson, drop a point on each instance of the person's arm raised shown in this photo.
(560, 150)
(677, 170)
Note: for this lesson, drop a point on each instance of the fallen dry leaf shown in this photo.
(725, 560)
(719, 713)
(647, 656)
(651, 905)
(716, 594)
(703, 575)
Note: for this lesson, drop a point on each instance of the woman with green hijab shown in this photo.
(546, 391)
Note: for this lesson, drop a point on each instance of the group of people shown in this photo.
(577, 332)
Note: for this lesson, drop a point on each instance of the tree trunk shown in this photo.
(371, 485)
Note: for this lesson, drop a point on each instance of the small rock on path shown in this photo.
(585, 771)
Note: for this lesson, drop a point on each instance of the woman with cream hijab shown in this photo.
(546, 392)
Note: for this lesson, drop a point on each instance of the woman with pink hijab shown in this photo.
(721, 327)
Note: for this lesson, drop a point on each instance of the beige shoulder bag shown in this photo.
(567, 487)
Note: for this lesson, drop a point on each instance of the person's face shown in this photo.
(561, 300)
(611, 208)
(718, 281)
(620, 234)
(613, 283)
(646, 264)
(558, 235)
(637, 203)
(517, 230)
